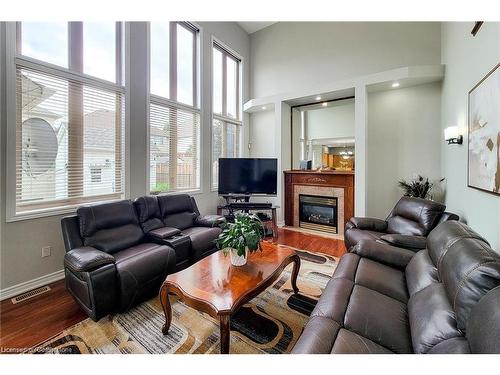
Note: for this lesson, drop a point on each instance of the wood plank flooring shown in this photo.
(29, 323)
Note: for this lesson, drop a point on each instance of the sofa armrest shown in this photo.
(209, 221)
(163, 233)
(408, 242)
(369, 223)
(384, 253)
(85, 259)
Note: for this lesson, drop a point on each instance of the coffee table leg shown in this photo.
(167, 309)
(295, 273)
(224, 333)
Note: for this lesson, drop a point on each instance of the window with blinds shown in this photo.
(174, 115)
(226, 106)
(69, 126)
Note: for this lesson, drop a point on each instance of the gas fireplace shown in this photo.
(318, 213)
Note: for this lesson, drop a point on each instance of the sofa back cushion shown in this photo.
(468, 270)
(148, 211)
(109, 227)
(446, 234)
(177, 211)
(483, 332)
(414, 216)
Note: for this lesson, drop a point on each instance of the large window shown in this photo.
(69, 114)
(174, 108)
(226, 106)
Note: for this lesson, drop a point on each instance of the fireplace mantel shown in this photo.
(336, 179)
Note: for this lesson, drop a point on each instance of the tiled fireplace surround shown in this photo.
(327, 184)
(322, 191)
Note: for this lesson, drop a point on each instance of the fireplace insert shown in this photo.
(318, 213)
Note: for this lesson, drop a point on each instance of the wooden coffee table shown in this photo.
(217, 288)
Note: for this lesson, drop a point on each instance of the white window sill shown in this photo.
(53, 211)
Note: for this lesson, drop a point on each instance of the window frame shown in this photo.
(223, 117)
(15, 60)
(171, 101)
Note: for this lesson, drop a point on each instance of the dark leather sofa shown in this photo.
(407, 226)
(444, 299)
(118, 254)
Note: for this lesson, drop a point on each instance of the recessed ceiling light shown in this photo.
(324, 104)
(318, 97)
(264, 108)
(395, 84)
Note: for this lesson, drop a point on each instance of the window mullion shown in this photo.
(75, 113)
(173, 113)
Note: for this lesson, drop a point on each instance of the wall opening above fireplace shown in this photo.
(318, 213)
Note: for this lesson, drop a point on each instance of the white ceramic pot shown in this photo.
(238, 260)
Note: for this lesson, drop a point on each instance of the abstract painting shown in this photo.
(484, 133)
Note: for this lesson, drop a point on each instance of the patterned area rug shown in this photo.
(270, 323)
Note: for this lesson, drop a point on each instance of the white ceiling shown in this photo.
(251, 27)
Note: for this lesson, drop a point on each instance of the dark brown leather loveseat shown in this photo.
(119, 253)
(407, 226)
(444, 299)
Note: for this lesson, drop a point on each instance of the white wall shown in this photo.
(289, 56)
(262, 137)
(21, 241)
(468, 59)
(404, 139)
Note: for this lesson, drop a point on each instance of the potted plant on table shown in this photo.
(241, 237)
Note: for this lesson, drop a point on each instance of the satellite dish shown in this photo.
(39, 146)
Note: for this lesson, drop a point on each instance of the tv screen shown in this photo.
(248, 176)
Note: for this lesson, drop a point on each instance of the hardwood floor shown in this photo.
(29, 323)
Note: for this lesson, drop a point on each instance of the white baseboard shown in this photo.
(15, 290)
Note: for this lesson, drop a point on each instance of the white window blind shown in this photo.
(69, 128)
(174, 149)
(65, 131)
(226, 106)
(174, 116)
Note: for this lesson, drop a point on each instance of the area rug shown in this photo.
(270, 323)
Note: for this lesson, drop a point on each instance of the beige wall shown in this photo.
(289, 56)
(468, 59)
(21, 241)
(404, 139)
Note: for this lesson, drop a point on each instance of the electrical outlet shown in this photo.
(46, 251)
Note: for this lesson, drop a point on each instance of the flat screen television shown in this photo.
(248, 176)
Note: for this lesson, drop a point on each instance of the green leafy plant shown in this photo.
(160, 187)
(246, 231)
(419, 187)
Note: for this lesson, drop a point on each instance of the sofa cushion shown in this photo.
(148, 211)
(445, 235)
(379, 318)
(141, 269)
(353, 236)
(483, 325)
(180, 220)
(414, 216)
(202, 240)
(469, 269)
(348, 342)
(110, 227)
(432, 319)
(334, 300)
(402, 240)
(455, 345)
(420, 272)
(382, 278)
(318, 336)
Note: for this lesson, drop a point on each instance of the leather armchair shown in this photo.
(407, 226)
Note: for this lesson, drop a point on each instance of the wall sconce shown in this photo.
(452, 137)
